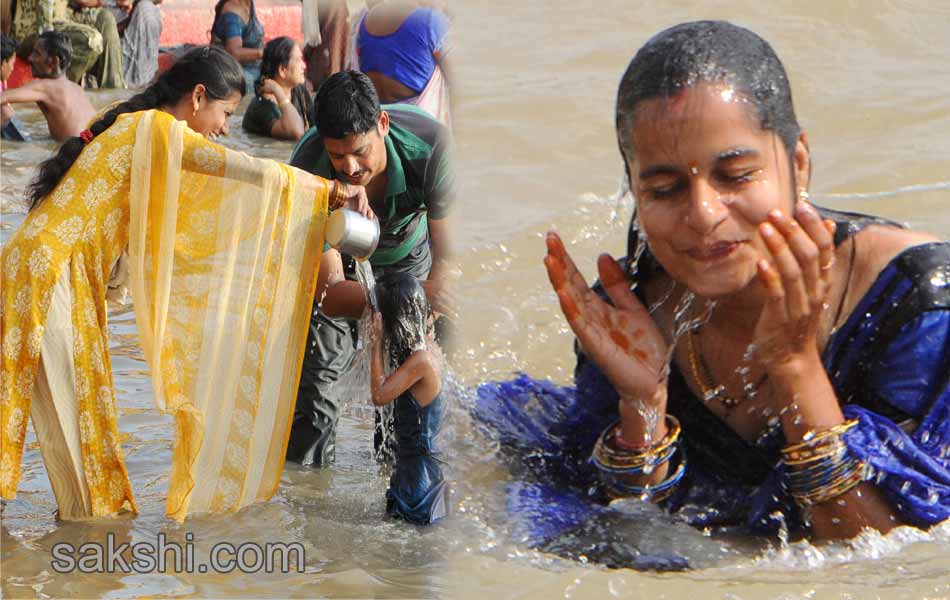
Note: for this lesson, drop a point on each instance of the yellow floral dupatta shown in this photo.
(224, 254)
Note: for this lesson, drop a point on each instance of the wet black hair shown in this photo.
(7, 46)
(708, 52)
(210, 66)
(57, 44)
(704, 52)
(346, 103)
(276, 55)
(405, 310)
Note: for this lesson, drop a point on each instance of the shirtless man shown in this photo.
(65, 106)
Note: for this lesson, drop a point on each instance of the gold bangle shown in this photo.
(607, 453)
(845, 483)
(338, 198)
(822, 452)
(811, 442)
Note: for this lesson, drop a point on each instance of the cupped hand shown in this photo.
(356, 199)
(797, 276)
(622, 338)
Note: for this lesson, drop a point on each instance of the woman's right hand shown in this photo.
(622, 339)
(356, 199)
(269, 86)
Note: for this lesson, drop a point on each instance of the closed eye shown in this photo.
(739, 177)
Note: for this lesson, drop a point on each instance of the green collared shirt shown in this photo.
(419, 179)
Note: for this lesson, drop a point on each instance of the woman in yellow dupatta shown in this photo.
(222, 256)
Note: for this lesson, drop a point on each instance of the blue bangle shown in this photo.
(653, 490)
(653, 463)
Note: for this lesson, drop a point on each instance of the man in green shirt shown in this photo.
(400, 154)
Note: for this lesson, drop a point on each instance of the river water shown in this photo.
(536, 150)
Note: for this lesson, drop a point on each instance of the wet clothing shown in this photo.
(219, 250)
(14, 131)
(417, 491)
(230, 25)
(889, 365)
(410, 54)
(419, 181)
(261, 113)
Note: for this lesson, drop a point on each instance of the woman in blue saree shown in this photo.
(755, 361)
(238, 30)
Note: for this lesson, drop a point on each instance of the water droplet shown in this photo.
(941, 278)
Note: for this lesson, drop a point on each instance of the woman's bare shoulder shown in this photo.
(877, 245)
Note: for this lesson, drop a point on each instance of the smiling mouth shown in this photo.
(713, 252)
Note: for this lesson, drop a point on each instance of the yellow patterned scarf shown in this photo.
(223, 255)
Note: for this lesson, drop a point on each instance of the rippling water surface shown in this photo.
(536, 150)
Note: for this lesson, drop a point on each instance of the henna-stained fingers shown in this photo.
(615, 284)
(786, 266)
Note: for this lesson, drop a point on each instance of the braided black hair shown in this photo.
(210, 66)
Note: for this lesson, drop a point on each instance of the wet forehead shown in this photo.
(700, 122)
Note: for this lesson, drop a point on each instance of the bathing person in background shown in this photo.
(9, 129)
(145, 167)
(282, 108)
(65, 106)
(810, 375)
(141, 33)
(33, 17)
(330, 55)
(237, 29)
(404, 344)
(401, 155)
(403, 47)
(7, 59)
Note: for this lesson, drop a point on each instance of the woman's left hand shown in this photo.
(796, 276)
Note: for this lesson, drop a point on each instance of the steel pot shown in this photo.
(351, 233)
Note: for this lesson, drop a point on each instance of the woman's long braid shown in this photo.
(53, 169)
(212, 67)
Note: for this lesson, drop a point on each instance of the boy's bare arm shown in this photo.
(34, 91)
